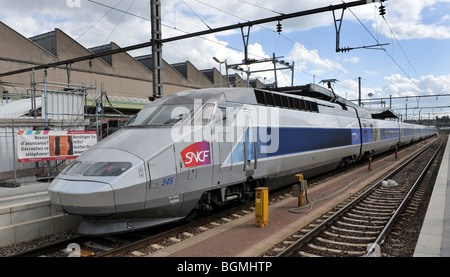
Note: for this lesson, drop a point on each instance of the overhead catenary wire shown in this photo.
(90, 27)
(120, 21)
(196, 15)
(196, 34)
(385, 51)
(287, 38)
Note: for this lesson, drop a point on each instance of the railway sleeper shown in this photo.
(359, 226)
(371, 205)
(389, 190)
(306, 254)
(352, 231)
(336, 251)
(372, 238)
(378, 209)
(371, 212)
(384, 202)
(341, 243)
(370, 216)
(381, 203)
(364, 221)
(385, 199)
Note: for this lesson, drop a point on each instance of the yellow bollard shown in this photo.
(300, 189)
(261, 206)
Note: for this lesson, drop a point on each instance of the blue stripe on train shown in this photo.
(293, 140)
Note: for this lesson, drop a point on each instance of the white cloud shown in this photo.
(95, 23)
(371, 72)
(310, 61)
(353, 59)
(407, 20)
(397, 85)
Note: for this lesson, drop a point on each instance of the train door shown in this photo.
(222, 148)
(164, 195)
(250, 144)
(224, 140)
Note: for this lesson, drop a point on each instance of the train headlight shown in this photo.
(107, 169)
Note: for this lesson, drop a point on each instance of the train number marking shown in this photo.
(167, 181)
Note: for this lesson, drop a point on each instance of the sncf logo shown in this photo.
(196, 154)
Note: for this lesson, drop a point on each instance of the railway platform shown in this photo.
(434, 238)
(25, 214)
(241, 238)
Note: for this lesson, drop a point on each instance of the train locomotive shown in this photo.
(198, 149)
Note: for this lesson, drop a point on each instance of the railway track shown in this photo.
(358, 227)
(147, 241)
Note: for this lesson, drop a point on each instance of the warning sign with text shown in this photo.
(35, 146)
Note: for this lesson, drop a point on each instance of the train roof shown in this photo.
(318, 92)
(311, 92)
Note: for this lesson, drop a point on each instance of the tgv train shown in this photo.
(198, 149)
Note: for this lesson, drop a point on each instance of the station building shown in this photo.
(121, 79)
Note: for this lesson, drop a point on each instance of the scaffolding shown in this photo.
(62, 107)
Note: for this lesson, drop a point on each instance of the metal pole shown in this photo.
(359, 91)
(226, 72)
(156, 48)
(45, 99)
(220, 70)
(275, 70)
(196, 34)
(292, 77)
(96, 109)
(14, 150)
(247, 83)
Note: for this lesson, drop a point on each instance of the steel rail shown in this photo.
(316, 230)
(197, 222)
(45, 249)
(402, 204)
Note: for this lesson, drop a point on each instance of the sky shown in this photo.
(414, 62)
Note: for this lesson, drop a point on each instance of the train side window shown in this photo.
(308, 106)
(302, 105)
(284, 102)
(314, 107)
(260, 97)
(291, 103)
(297, 103)
(269, 99)
(206, 113)
(277, 99)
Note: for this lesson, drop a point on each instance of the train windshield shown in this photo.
(142, 116)
(172, 114)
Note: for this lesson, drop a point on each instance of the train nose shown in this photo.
(82, 198)
(113, 185)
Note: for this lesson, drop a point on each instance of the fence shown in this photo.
(13, 170)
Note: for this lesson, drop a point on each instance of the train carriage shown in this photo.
(198, 149)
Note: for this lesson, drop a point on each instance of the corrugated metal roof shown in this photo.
(121, 102)
(18, 108)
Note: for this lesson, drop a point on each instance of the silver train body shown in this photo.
(197, 149)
